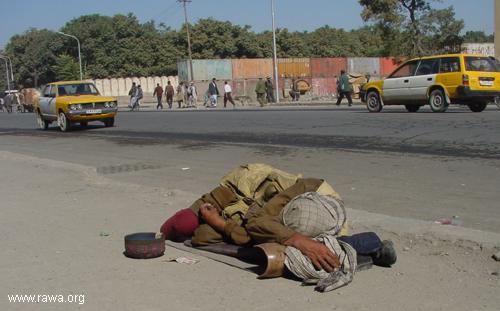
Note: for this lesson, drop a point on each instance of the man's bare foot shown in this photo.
(211, 216)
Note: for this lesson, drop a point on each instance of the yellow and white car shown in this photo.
(71, 102)
(439, 81)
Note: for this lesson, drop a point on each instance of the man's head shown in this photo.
(312, 214)
(157, 84)
(268, 78)
(192, 83)
(139, 86)
(213, 80)
(168, 82)
(225, 82)
(133, 83)
(342, 72)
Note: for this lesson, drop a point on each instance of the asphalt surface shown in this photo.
(413, 165)
(457, 133)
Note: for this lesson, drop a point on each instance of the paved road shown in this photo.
(422, 165)
(458, 133)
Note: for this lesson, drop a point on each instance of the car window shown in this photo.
(52, 92)
(77, 89)
(428, 67)
(449, 64)
(46, 91)
(406, 70)
(478, 63)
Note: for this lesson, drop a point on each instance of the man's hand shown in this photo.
(320, 255)
(211, 216)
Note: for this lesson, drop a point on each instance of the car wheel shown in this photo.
(42, 124)
(84, 124)
(63, 122)
(437, 101)
(412, 108)
(109, 122)
(477, 107)
(373, 102)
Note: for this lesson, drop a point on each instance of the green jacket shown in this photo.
(261, 87)
(344, 84)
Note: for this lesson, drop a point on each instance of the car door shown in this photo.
(450, 74)
(45, 99)
(396, 86)
(425, 77)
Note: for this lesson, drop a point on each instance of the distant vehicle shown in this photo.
(70, 102)
(465, 79)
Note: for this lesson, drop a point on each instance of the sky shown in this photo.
(17, 16)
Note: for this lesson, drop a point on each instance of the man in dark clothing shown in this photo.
(270, 90)
(169, 94)
(213, 92)
(159, 95)
(344, 88)
(260, 90)
(295, 93)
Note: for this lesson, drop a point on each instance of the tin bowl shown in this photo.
(144, 245)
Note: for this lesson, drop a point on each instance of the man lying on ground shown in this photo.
(257, 204)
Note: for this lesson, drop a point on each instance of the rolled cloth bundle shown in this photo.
(313, 214)
(319, 217)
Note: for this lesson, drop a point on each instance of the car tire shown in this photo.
(63, 122)
(437, 101)
(109, 122)
(373, 102)
(42, 124)
(412, 108)
(477, 107)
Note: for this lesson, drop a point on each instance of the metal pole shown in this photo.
(79, 52)
(6, 71)
(188, 38)
(275, 56)
(11, 71)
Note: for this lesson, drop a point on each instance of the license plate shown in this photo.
(485, 83)
(93, 111)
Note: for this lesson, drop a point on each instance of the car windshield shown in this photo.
(77, 89)
(484, 64)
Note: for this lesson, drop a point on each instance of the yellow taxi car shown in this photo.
(69, 102)
(439, 81)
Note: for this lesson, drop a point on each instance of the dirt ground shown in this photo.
(62, 227)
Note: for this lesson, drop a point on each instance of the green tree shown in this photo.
(33, 55)
(478, 37)
(66, 68)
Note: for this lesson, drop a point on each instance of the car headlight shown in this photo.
(75, 107)
(106, 105)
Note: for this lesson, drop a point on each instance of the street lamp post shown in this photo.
(275, 56)
(6, 71)
(79, 52)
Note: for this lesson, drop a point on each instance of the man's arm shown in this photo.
(266, 226)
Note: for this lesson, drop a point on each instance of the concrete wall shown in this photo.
(497, 29)
(121, 86)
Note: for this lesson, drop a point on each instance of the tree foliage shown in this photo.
(413, 26)
(120, 45)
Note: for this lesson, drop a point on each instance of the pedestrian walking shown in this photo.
(133, 95)
(260, 89)
(192, 95)
(270, 90)
(138, 96)
(295, 92)
(213, 91)
(344, 88)
(228, 95)
(181, 94)
(159, 96)
(169, 93)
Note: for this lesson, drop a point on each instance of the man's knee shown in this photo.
(206, 235)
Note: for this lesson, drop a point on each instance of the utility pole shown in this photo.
(184, 2)
(79, 52)
(275, 57)
(497, 29)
